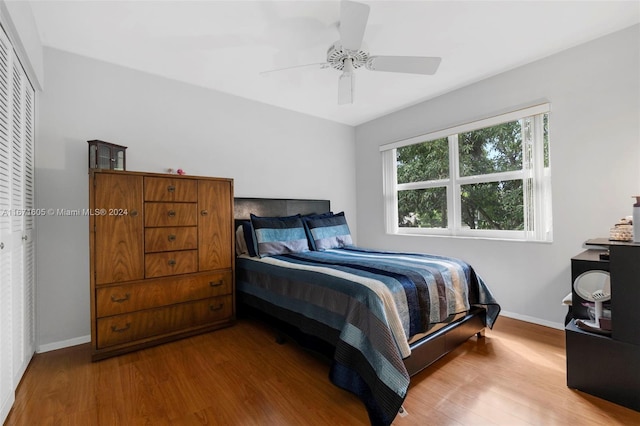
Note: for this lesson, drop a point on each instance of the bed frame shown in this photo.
(424, 352)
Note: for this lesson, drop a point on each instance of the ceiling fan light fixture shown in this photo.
(346, 83)
(348, 66)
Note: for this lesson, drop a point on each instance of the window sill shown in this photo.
(469, 237)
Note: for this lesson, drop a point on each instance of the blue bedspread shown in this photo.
(373, 301)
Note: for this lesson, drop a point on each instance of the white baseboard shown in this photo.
(63, 344)
(534, 320)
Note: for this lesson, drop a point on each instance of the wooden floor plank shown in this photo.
(516, 375)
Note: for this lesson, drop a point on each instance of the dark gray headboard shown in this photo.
(275, 207)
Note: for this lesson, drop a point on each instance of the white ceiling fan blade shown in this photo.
(406, 64)
(353, 22)
(319, 65)
(346, 84)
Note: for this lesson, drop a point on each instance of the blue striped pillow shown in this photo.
(329, 232)
(279, 235)
(308, 217)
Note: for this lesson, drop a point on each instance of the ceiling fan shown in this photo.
(347, 54)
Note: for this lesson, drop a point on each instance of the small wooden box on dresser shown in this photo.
(608, 366)
(161, 258)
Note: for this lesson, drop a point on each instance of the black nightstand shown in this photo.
(608, 366)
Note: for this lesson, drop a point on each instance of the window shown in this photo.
(490, 178)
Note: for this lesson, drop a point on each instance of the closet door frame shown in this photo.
(17, 223)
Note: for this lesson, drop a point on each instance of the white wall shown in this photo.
(270, 152)
(594, 90)
(19, 24)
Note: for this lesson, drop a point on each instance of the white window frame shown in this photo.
(537, 194)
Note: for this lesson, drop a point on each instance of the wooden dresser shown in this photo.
(161, 258)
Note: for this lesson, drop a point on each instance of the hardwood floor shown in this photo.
(240, 376)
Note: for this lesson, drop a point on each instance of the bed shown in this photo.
(380, 317)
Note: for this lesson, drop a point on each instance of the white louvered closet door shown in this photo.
(22, 216)
(28, 237)
(17, 298)
(6, 297)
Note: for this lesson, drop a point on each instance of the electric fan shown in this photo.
(593, 286)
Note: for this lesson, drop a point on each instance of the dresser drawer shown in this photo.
(158, 292)
(128, 328)
(170, 238)
(170, 214)
(170, 263)
(170, 189)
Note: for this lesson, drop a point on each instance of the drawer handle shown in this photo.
(120, 299)
(171, 188)
(171, 262)
(171, 213)
(172, 237)
(204, 212)
(134, 213)
(216, 308)
(215, 283)
(115, 328)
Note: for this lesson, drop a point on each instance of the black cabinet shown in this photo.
(105, 155)
(608, 366)
(625, 293)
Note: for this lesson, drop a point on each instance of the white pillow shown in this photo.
(241, 243)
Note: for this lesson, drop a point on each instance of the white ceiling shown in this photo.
(224, 45)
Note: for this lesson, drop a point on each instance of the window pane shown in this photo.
(422, 208)
(493, 205)
(423, 162)
(491, 150)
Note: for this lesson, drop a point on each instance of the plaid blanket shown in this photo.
(368, 304)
